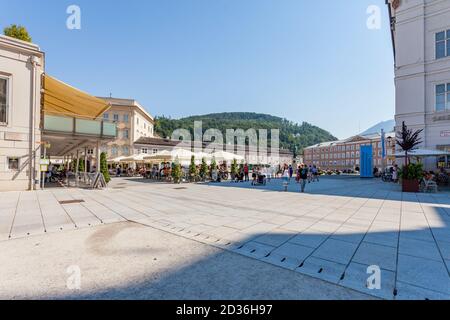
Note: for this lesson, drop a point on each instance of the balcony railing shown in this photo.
(77, 126)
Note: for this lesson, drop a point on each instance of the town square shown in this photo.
(221, 151)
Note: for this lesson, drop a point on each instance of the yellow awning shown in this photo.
(62, 99)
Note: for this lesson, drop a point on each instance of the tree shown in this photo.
(18, 32)
(81, 165)
(193, 172)
(408, 140)
(294, 137)
(203, 169)
(176, 171)
(104, 167)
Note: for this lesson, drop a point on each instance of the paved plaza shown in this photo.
(333, 232)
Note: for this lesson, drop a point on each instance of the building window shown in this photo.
(106, 116)
(3, 100)
(155, 151)
(90, 151)
(443, 97)
(442, 44)
(126, 151)
(116, 118)
(137, 121)
(144, 151)
(13, 163)
(126, 118)
(114, 151)
(126, 134)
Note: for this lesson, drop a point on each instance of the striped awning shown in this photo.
(60, 98)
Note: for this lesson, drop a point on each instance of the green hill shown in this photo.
(293, 136)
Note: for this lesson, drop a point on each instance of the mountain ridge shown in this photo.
(293, 136)
(387, 126)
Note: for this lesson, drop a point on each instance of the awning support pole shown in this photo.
(85, 163)
(77, 168)
(98, 156)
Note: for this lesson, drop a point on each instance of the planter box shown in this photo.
(410, 186)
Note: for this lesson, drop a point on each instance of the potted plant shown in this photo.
(411, 174)
(176, 172)
(193, 172)
(213, 169)
(203, 170)
(104, 167)
(234, 169)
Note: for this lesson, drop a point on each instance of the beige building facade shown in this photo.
(133, 122)
(21, 67)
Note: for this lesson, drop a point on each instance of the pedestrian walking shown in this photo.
(315, 173)
(310, 174)
(303, 177)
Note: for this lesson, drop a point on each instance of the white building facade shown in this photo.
(42, 116)
(21, 67)
(421, 38)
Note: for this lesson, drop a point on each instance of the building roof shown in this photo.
(391, 10)
(128, 103)
(157, 142)
(175, 143)
(20, 44)
(374, 136)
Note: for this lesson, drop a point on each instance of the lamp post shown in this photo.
(389, 140)
(383, 150)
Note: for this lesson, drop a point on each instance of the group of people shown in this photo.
(62, 173)
(129, 172)
(304, 174)
(163, 172)
(53, 175)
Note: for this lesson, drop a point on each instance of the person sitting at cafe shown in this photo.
(429, 176)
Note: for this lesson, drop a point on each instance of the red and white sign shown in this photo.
(445, 133)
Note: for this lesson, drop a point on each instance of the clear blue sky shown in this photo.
(313, 61)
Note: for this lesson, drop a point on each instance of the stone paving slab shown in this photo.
(374, 254)
(336, 251)
(410, 292)
(424, 273)
(356, 278)
(419, 248)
